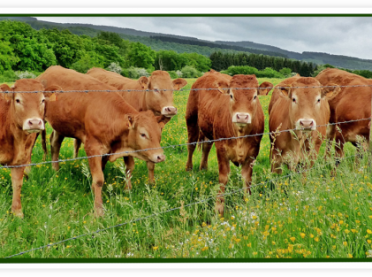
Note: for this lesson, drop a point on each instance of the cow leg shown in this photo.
(224, 170)
(331, 131)
(247, 170)
(129, 165)
(151, 169)
(77, 144)
(55, 146)
(17, 182)
(43, 144)
(193, 136)
(105, 159)
(206, 148)
(95, 165)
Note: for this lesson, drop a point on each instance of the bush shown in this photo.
(179, 74)
(24, 75)
(190, 72)
(173, 74)
(134, 72)
(286, 72)
(114, 67)
(268, 72)
(8, 76)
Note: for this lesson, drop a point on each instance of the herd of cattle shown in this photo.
(219, 106)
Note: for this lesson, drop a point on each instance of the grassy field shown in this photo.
(314, 217)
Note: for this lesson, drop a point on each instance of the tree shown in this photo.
(140, 55)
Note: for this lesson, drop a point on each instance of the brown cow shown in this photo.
(351, 103)
(103, 121)
(154, 93)
(219, 115)
(298, 104)
(265, 88)
(22, 117)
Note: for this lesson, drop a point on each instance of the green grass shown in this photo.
(314, 217)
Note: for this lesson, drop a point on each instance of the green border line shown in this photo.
(190, 15)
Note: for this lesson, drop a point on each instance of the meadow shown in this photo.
(287, 216)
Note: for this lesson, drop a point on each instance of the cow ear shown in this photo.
(265, 88)
(179, 83)
(144, 82)
(285, 90)
(52, 96)
(130, 121)
(330, 91)
(162, 120)
(4, 88)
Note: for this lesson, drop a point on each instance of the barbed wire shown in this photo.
(191, 89)
(177, 145)
(164, 212)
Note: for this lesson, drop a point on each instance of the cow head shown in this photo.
(243, 91)
(28, 108)
(265, 88)
(159, 98)
(144, 133)
(306, 96)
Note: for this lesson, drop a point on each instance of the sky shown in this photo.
(349, 36)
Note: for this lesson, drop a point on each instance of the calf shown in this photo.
(154, 93)
(22, 117)
(297, 104)
(103, 121)
(353, 102)
(213, 114)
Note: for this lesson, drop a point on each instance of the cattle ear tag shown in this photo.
(53, 97)
(130, 121)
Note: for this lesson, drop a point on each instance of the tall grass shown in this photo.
(312, 216)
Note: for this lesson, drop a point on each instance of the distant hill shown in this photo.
(159, 41)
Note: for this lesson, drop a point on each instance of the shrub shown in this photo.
(8, 76)
(114, 67)
(134, 72)
(190, 72)
(173, 74)
(286, 72)
(24, 75)
(179, 74)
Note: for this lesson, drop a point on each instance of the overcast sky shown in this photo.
(350, 36)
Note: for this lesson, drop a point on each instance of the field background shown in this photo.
(319, 216)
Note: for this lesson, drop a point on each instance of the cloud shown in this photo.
(334, 35)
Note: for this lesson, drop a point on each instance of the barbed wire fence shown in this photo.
(173, 146)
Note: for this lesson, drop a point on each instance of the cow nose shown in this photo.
(34, 123)
(169, 110)
(307, 123)
(160, 158)
(242, 118)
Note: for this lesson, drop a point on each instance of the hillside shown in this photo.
(185, 44)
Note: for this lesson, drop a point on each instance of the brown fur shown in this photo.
(209, 114)
(351, 103)
(285, 113)
(103, 121)
(15, 143)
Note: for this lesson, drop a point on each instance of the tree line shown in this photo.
(23, 48)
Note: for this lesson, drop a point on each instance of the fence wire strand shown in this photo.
(182, 90)
(176, 145)
(164, 212)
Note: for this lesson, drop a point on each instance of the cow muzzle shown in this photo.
(242, 118)
(157, 158)
(33, 125)
(169, 111)
(306, 124)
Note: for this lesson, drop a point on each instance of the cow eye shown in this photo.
(143, 135)
(43, 101)
(231, 96)
(294, 100)
(255, 97)
(18, 101)
(156, 90)
(319, 100)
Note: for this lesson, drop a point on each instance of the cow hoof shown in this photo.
(18, 213)
(203, 168)
(99, 212)
(188, 168)
(219, 208)
(128, 187)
